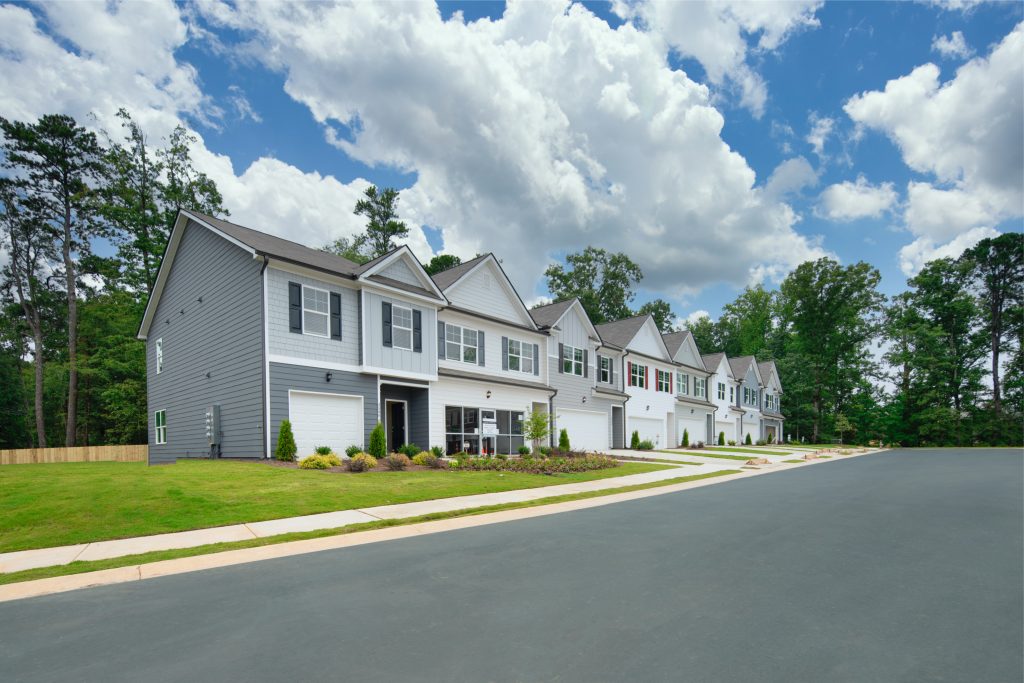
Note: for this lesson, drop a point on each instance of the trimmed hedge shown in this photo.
(552, 465)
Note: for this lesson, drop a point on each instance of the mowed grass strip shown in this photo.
(798, 462)
(709, 454)
(49, 505)
(157, 556)
(740, 449)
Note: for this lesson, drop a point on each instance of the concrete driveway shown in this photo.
(900, 566)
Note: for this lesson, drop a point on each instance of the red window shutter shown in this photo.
(629, 373)
(670, 382)
(647, 377)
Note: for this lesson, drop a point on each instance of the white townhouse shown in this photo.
(491, 362)
(724, 389)
(648, 372)
(589, 403)
(771, 410)
(694, 412)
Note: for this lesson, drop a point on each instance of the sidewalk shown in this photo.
(101, 550)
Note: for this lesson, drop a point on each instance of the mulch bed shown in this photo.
(341, 470)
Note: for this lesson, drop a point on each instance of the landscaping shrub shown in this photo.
(686, 438)
(634, 442)
(286, 448)
(378, 442)
(732, 442)
(320, 462)
(700, 444)
(524, 450)
(563, 440)
(552, 465)
(559, 453)
(645, 445)
(438, 451)
(322, 450)
(409, 449)
(721, 438)
(361, 462)
(352, 450)
(761, 442)
(747, 440)
(545, 451)
(430, 460)
(397, 461)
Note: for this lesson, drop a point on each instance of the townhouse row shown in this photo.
(244, 330)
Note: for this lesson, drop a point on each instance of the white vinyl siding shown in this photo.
(159, 355)
(160, 422)
(460, 343)
(401, 327)
(316, 309)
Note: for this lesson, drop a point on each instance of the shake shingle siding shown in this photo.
(221, 336)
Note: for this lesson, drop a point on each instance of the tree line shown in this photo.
(940, 363)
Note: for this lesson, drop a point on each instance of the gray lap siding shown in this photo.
(285, 377)
(221, 336)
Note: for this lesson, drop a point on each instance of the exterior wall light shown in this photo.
(329, 376)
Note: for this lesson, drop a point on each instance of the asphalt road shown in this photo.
(904, 566)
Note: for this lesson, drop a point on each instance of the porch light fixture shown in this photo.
(488, 393)
(584, 399)
(329, 376)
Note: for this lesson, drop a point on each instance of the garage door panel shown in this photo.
(652, 430)
(587, 430)
(320, 419)
(695, 428)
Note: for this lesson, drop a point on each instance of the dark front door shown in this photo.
(396, 424)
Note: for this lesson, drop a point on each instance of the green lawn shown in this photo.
(739, 449)
(61, 504)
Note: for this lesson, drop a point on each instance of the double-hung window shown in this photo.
(460, 344)
(316, 311)
(721, 391)
(520, 356)
(732, 395)
(700, 387)
(682, 384)
(160, 421)
(159, 355)
(605, 369)
(572, 360)
(637, 375)
(664, 381)
(401, 327)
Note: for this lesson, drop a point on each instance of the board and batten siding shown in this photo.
(483, 292)
(284, 342)
(399, 270)
(212, 350)
(285, 377)
(423, 362)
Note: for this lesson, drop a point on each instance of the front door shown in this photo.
(395, 416)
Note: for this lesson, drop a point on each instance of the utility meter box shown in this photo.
(213, 425)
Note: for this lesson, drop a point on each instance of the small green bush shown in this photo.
(645, 445)
(430, 460)
(322, 450)
(317, 462)
(747, 440)
(361, 462)
(378, 442)
(732, 442)
(545, 451)
(409, 449)
(352, 450)
(634, 443)
(524, 450)
(438, 451)
(563, 440)
(721, 438)
(286, 448)
(761, 442)
(686, 438)
(397, 461)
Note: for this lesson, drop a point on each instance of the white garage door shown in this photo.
(652, 430)
(728, 427)
(696, 428)
(588, 431)
(325, 420)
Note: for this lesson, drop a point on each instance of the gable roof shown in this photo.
(621, 332)
(674, 340)
(767, 369)
(742, 364)
(713, 360)
(447, 278)
(370, 271)
(550, 314)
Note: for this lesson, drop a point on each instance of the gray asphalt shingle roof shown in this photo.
(711, 360)
(549, 314)
(621, 332)
(447, 278)
(674, 340)
(740, 365)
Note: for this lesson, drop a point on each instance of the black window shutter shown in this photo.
(597, 361)
(417, 330)
(504, 353)
(386, 322)
(480, 347)
(586, 363)
(335, 315)
(536, 359)
(611, 371)
(440, 340)
(561, 357)
(295, 307)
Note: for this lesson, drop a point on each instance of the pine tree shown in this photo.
(286, 448)
(378, 442)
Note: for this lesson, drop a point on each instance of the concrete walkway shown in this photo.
(101, 550)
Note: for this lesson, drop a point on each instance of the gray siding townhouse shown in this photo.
(771, 410)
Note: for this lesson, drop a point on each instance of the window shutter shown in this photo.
(561, 357)
(295, 307)
(586, 363)
(536, 359)
(480, 347)
(417, 330)
(611, 371)
(647, 376)
(440, 340)
(335, 315)
(670, 382)
(504, 353)
(385, 317)
(629, 372)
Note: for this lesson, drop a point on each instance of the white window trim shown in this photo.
(523, 356)
(461, 343)
(160, 430)
(305, 326)
(396, 326)
(721, 391)
(569, 354)
(700, 387)
(640, 371)
(663, 381)
(159, 355)
(682, 384)
(604, 369)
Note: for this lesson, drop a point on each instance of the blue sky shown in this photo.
(530, 174)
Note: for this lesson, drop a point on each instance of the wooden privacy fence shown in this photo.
(21, 456)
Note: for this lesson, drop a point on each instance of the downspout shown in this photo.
(266, 361)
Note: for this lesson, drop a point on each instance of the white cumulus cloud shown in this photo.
(952, 46)
(848, 201)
